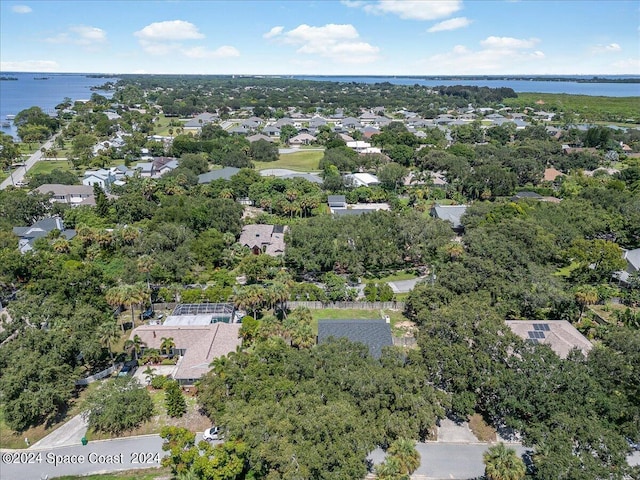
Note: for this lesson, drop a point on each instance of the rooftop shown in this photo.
(375, 334)
(560, 335)
(200, 345)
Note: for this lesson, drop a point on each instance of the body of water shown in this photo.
(44, 90)
(518, 85)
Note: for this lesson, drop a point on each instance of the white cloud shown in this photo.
(29, 66)
(274, 32)
(416, 9)
(80, 35)
(508, 42)
(340, 43)
(88, 35)
(499, 54)
(612, 47)
(169, 30)
(222, 52)
(166, 38)
(451, 24)
(21, 9)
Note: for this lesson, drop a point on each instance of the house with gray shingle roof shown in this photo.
(375, 334)
(451, 213)
(267, 239)
(40, 229)
(633, 265)
(226, 173)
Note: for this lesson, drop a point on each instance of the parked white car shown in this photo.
(212, 433)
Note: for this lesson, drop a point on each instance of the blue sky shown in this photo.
(325, 37)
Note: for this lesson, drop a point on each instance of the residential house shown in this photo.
(197, 346)
(362, 179)
(68, 194)
(374, 334)
(162, 165)
(226, 173)
(103, 178)
(271, 131)
(351, 123)
(267, 239)
(336, 201)
(40, 229)
(302, 139)
(450, 213)
(199, 121)
(633, 266)
(560, 335)
(259, 136)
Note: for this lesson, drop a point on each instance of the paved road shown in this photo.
(455, 461)
(96, 457)
(438, 460)
(19, 173)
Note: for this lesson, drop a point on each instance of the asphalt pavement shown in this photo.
(17, 176)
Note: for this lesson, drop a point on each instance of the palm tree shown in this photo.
(586, 295)
(404, 450)
(250, 297)
(390, 470)
(108, 332)
(167, 345)
(134, 346)
(115, 297)
(502, 463)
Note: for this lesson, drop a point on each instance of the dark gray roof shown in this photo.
(534, 195)
(226, 173)
(452, 213)
(375, 334)
(336, 199)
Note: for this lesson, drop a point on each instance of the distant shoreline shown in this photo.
(631, 78)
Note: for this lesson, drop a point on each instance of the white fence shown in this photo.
(99, 375)
(352, 305)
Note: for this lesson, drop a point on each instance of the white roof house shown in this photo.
(362, 179)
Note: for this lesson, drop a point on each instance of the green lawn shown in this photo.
(353, 314)
(303, 161)
(47, 166)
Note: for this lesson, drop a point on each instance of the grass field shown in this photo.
(303, 161)
(610, 109)
(47, 166)
(353, 314)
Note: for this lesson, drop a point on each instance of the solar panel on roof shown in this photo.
(545, 327)
(532, 334)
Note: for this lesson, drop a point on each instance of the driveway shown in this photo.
(70, 433)
(404, 286)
